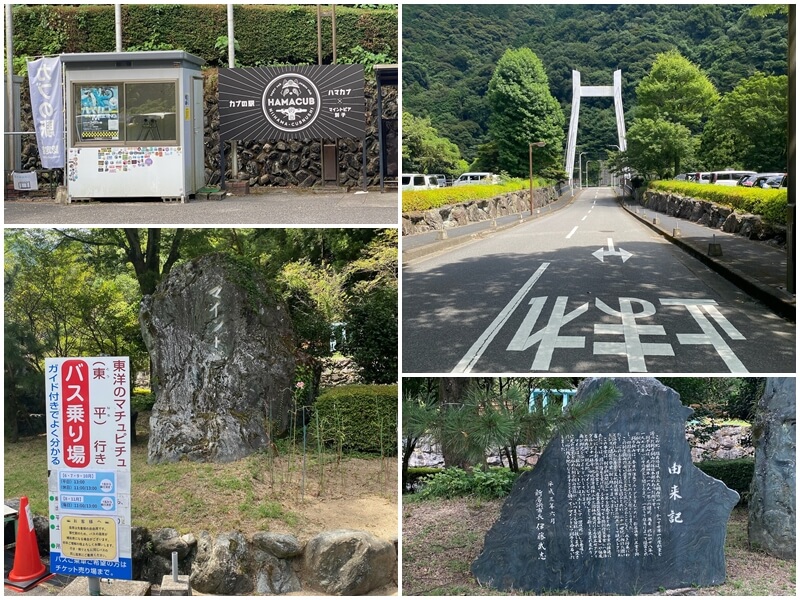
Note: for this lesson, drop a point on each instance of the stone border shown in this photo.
(473, 211)
(339, 562)
(716, 216)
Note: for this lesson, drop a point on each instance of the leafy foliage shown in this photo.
(749, 126)
(658, 147)
(523, 111)
(770, 204)
(424, 151)
(736, 474)
(267, 34)
(677, 91)
(450, 51)
(372, 334)
(717, 398)
(360, 418)
(455, 482)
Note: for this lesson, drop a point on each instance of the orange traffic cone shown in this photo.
(28, 568)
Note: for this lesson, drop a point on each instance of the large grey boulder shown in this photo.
(349, 563)
(771, 525)
(221, 346)
(221, 565)
(273, 567)
(617, 508)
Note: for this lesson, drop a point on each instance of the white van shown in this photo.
(728, 177)
(418, 181)
(472, 178)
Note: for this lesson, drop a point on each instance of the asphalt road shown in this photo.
(588, 289)
(274, 208)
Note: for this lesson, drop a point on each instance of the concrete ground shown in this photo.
(278, 207)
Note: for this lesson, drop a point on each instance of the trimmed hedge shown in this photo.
(736, 474)
(267, 34)
(770, 204)
(426, 199)
(362, 418)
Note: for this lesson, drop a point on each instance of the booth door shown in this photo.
(389, 149)
(199, 165)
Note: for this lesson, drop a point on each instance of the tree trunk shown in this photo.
(451, 397)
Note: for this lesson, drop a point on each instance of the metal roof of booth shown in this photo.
(155, 58)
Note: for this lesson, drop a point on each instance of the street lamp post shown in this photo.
(530, 166)
(588, 160)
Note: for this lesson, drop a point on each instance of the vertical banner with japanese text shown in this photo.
(89, 465)
(47, 94)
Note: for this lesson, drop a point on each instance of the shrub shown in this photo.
(455, 482)
(372, 334)
(416, 475)
(427, 199)
(770, 204)
(359, 418)
(736, 474)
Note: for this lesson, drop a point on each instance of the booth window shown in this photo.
(127, 113)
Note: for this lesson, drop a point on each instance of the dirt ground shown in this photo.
(441, 539)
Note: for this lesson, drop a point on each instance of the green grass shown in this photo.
(260, 492)
(770, 204)
(415, 200)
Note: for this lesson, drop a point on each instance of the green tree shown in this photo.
(524, 111)
(748, 128)
(469, 416)
(676, 90)
(425, 151)
(657, 147)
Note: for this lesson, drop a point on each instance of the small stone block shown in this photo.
(714, 250)
(182, 587)
(114, 587)
(441, 235)
(676, 232)
(655, 220)
(216, 196)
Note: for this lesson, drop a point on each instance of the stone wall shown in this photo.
(454, 215)
(713, 215)
(296, 162)
(341, 562)
(339, 371)
(727, 442)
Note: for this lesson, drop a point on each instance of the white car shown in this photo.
(418, 181)
(473, 178)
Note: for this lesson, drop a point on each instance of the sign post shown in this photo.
(88, 466)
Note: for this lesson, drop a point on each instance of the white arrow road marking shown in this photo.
(610, 251)
(476, 351)
(571, 233)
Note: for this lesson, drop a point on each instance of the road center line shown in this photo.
(476, 351)
(571, 233)
(584, 217)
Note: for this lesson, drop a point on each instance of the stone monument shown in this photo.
(618, 508)
(771, 525)
(221, 346)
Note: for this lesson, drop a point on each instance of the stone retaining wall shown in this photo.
(341, 562)
(339, 371)
(728, 442)
(715, 216)
(454, 215)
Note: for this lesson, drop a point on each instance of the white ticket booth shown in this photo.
(134, 125)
